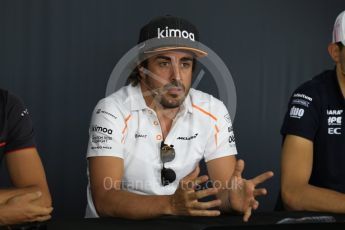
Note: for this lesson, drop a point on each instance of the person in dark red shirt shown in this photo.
(29, 200)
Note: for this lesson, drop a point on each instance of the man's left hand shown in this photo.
(243, 193)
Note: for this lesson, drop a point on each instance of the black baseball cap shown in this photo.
(166, 33)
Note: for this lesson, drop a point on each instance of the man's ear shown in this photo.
(334, 52)
(141, 71)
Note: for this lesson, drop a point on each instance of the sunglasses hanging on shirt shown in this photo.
(167, 154)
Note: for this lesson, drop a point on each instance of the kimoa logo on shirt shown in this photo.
(163, 33)
(97, 128)
(334, 112)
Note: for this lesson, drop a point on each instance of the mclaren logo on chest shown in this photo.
(188, 138)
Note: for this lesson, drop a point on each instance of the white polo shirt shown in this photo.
(123, 126)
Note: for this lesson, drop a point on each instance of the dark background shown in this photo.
(57, 55)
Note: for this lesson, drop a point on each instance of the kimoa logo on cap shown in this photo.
(174, 33)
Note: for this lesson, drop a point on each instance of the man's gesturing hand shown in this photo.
(243, 192)
(185, 200)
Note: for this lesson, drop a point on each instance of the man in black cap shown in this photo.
(147, 139)
(29, 200)
(313, 154)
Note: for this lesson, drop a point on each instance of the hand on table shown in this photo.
(20, 209)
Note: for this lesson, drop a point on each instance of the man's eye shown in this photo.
(164, 64)
(186, 65)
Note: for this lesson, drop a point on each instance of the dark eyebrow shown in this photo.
(163, 57)
(186, 59)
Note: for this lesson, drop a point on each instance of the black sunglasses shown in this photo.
(167, 154)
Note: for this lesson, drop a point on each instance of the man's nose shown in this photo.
(176, 71)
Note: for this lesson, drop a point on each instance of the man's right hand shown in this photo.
(21, 209)
(185, 200)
